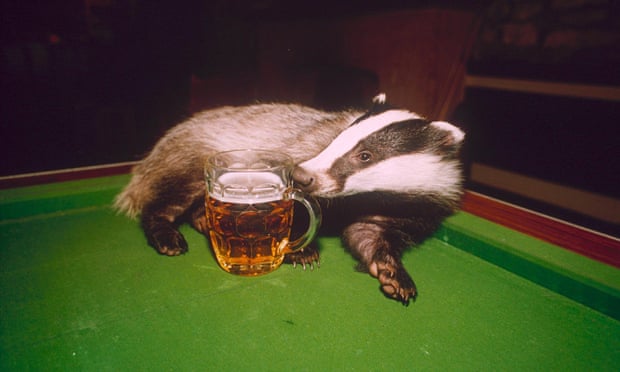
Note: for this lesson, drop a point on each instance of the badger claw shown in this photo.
(398, 286)
(395, 281)
(307, 258)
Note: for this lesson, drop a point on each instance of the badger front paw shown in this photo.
(307, 257)
(395, 281)
(168, 242)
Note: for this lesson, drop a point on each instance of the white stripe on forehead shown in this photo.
(355, 133)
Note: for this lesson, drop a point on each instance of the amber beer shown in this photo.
(249, 239)
(249, 210)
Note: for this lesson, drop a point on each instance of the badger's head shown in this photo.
(386, 150)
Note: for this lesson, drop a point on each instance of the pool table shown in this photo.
(81, 290)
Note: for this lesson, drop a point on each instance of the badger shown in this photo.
(385, 178)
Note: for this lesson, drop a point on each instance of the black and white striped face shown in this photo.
(393, 150)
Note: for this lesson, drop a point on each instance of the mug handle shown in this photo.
(314, 212)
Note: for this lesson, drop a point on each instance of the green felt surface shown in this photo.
(81, 290)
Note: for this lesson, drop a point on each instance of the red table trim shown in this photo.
(30, 179)
(586, 242)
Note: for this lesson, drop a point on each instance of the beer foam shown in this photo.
(248, 187)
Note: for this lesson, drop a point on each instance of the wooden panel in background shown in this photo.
(419, 55)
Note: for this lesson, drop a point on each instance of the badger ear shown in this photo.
(379, 98)
(379, 104)
(453, 136)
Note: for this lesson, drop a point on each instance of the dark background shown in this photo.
(93, 82)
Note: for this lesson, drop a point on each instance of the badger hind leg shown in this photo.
(161, 218)
(164, 236)
(379, 247)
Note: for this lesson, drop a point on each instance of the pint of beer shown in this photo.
(249, 207)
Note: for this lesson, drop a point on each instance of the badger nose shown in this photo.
(304, 179)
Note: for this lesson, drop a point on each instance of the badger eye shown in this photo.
(365, 156)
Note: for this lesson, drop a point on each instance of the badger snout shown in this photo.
(304, 179)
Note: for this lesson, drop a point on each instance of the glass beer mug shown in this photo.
(249, 208)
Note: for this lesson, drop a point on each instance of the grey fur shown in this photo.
(299, 131)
